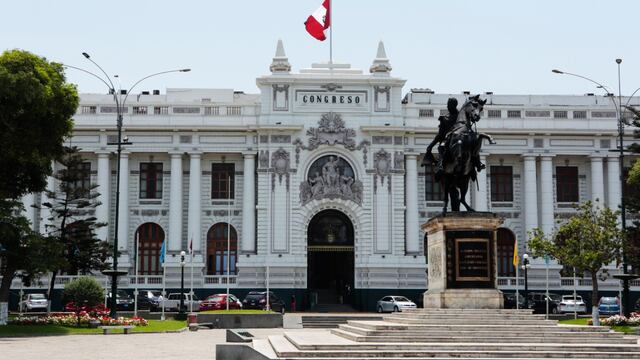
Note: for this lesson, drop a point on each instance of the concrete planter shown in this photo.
(235, 321)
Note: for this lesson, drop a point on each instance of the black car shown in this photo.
(510, 301)
(538, 302)
(149, 299)
(123, 301)
(258, 300)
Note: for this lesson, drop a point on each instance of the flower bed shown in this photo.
(72, 320)
(617, 320)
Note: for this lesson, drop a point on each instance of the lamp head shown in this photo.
(618, 61)
(556, 71)
(86, 55)
(525, 256)
(183, 253)
(185, 70)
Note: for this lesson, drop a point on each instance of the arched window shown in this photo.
(150, 241)
(220, 238)
(506, 244)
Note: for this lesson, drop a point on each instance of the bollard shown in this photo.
(192, 318)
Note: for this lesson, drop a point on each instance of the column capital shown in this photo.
(530, 156)
(547, 156)
(249, 154)
(596, 156)
(411, 156)
(176, 154)
(103, 153)
(613, 158)
(195, 154)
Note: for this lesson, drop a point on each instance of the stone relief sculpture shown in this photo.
(280, 167)
(398, 160)
(331, 131)
(382, 168)
(263, 158)
(331, 177)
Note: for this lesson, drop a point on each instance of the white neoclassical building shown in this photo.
(316, 184)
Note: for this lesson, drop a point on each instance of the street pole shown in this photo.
(228, 236)
(575, 295)
(525, 265)
(546, 262)
(120, 104)
(135, 289)
(181, 311)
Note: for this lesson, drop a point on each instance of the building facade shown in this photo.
(314, 186)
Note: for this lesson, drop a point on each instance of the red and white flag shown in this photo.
(319, 21)
(191, 247)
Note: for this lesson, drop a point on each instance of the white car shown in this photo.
(394, 303)
(568, 305)
(172, 303)
(37, 302)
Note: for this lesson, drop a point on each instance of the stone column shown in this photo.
(175, 203)
(597, 180)
(411, 193)
(481, 191)
(28, 200)
(102, 211)
(249, 204)
(546, 194)
(195, 201)
(530, 194)
(123, 213)
(613, 183)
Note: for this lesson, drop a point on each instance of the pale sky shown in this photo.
(508, 47)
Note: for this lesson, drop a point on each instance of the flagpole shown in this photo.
(164, 292)
(228, 236)
(331, 32)
(517, 265)
(135, 289)
(191, 291)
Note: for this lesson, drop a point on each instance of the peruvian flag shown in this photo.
(319, 21)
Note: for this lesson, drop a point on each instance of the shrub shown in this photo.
(84, 291)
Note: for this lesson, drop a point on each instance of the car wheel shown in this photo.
(379, 309)
(554, 310)
(395, 308)
(282, 310)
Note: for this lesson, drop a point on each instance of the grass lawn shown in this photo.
(42, 330)
(252, 311)
(583, 321)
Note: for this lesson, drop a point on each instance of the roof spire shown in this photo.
(381, 63)
(280, 63)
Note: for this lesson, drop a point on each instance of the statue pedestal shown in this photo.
(462, 258)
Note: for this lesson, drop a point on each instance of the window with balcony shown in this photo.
(222, 181)
(567, 184)
(501, 183)
(150, 180)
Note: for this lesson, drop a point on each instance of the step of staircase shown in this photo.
(467, 321)
(386, 325)
(332, 321)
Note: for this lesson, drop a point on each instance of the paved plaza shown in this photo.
(189, 345)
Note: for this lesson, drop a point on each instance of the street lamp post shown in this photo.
(625, 276)
(525, 267)
(120, 104)
(182, 262)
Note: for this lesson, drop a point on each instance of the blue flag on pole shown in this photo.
(162, 251)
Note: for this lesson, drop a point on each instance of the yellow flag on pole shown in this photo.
(515, 255)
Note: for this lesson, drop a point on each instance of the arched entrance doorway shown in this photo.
(506, 245)
(330, 239)
(222, 249)
(150, 238)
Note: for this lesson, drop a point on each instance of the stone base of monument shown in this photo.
(464, 299)
(461, 261)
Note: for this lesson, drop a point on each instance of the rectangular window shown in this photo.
(150, 180)
(140, 110)
(581, 114)
(425, 113)
(560, 114)
(502, 183)
(83, 181)
(160, 110)
(113, 110)
(234, 110)
(222, 181)
(89, 109)
(186, 110)
(537, 113)
(212, 110)
(433, 188)
(567, 185)
(514, 114)
(494, 114)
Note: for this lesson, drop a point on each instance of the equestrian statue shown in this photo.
(459, 146)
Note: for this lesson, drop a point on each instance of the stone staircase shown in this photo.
(332, 321)
(451, 333)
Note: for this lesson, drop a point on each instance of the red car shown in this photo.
(219, 302)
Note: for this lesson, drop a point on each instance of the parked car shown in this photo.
(99, 309)
(510, 301)
(30, 302)
(219, 302)
(172, 302)
(568, 305)
(538, 302)
(149, 299)
(258, 300)
(637, 307)
(394, 303)
(124, 301)
(609, 305)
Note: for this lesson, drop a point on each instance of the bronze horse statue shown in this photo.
(460, 154)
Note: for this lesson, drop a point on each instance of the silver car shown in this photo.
(31, 302)
(394, 303)
(569, 305)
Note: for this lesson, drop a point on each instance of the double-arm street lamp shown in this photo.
(120, 104)
(525, 268)
(625, 276)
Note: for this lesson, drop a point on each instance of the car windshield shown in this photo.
(254, 297)
(215, 298)
(402, 298)
(570, 298)
(37, 296)
(608, 300)
(156, 293)
(555, 297)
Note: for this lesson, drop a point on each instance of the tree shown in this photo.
(36, 105)
(21, 249)
(632, 198)
(73, 225)
(83, 291)
(588, 241)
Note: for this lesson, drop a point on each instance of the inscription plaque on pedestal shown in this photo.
(470, 260)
